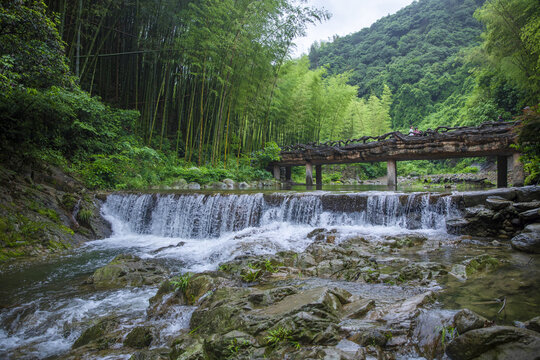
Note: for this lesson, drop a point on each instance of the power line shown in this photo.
(127, 53)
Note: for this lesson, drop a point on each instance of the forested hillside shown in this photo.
(428, 55)
(415, 52)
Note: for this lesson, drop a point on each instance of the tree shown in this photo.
(511, 39)
(31, 51)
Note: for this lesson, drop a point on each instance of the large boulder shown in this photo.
(497, 342)
(528, 240)
(127, 270)
(466, 320)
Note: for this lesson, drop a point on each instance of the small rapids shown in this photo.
(190, 232)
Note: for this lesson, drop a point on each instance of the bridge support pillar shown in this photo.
(277, 174)
(391, 173)
(318, 175)
(288, 173)
(502, 171)
(518, 173)
(309, 174)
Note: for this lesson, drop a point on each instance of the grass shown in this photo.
(281, 335)
(181, 282)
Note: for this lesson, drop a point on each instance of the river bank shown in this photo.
(302, 275)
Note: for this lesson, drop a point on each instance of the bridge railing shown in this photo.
(484, 128)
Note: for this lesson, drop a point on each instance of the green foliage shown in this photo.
(310, 105)
(281, 335)
(250, 275)
(511, 42)
(84, 216)
(262, 158)
(234, 347)
(433, 167)
(269, 267)
(529, 143)
(62, 123)
(181, 282)
(448, 333)
(31, 50)
(18, 233)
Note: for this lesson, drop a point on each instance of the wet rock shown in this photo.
(203, 284)
(243, 185)
(229, 345)
(127, 270)
(221, 312)
(530, 215)
(315, 232)
(218, 185)
(321, 299)
(373, 337)
(533, 324)
(528, 240)
(314, 352)
(479, 264)
(187, 347)
(139, 338)
(528, 194)
(165, 298)
(497, 342)
(524, 206)
(421, 271)
(359, 308)
(229, 183)
(308, 317)
(193, 186)
(432, 330)
(408, 309)
(179, 184)
(154, 354)
(465, 320)
(497, 203)
(407, 241)
(474, 198)
(101, 332)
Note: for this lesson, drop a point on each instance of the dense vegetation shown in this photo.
(210, 83)
(198, 76)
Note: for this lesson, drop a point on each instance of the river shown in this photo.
(46, 306)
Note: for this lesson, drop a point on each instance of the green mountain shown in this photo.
(416, 52)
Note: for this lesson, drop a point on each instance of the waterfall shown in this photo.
(211, 215)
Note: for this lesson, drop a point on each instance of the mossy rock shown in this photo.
(139, 338)
(127, 270)
(98, 333)
(482, 263)
(188, 347)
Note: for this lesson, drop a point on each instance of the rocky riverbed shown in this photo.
(344, 297)
(274, 285)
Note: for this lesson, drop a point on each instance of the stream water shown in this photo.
(44, 307)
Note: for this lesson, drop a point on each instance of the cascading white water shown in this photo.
(206, 216)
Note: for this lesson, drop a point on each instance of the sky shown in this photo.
(348, 16)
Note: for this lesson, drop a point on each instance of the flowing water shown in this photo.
(44, 307)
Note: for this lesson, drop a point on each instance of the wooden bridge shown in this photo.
(488, 139)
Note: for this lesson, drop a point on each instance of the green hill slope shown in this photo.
(414, 52)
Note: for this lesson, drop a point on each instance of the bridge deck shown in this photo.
(485, 140)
